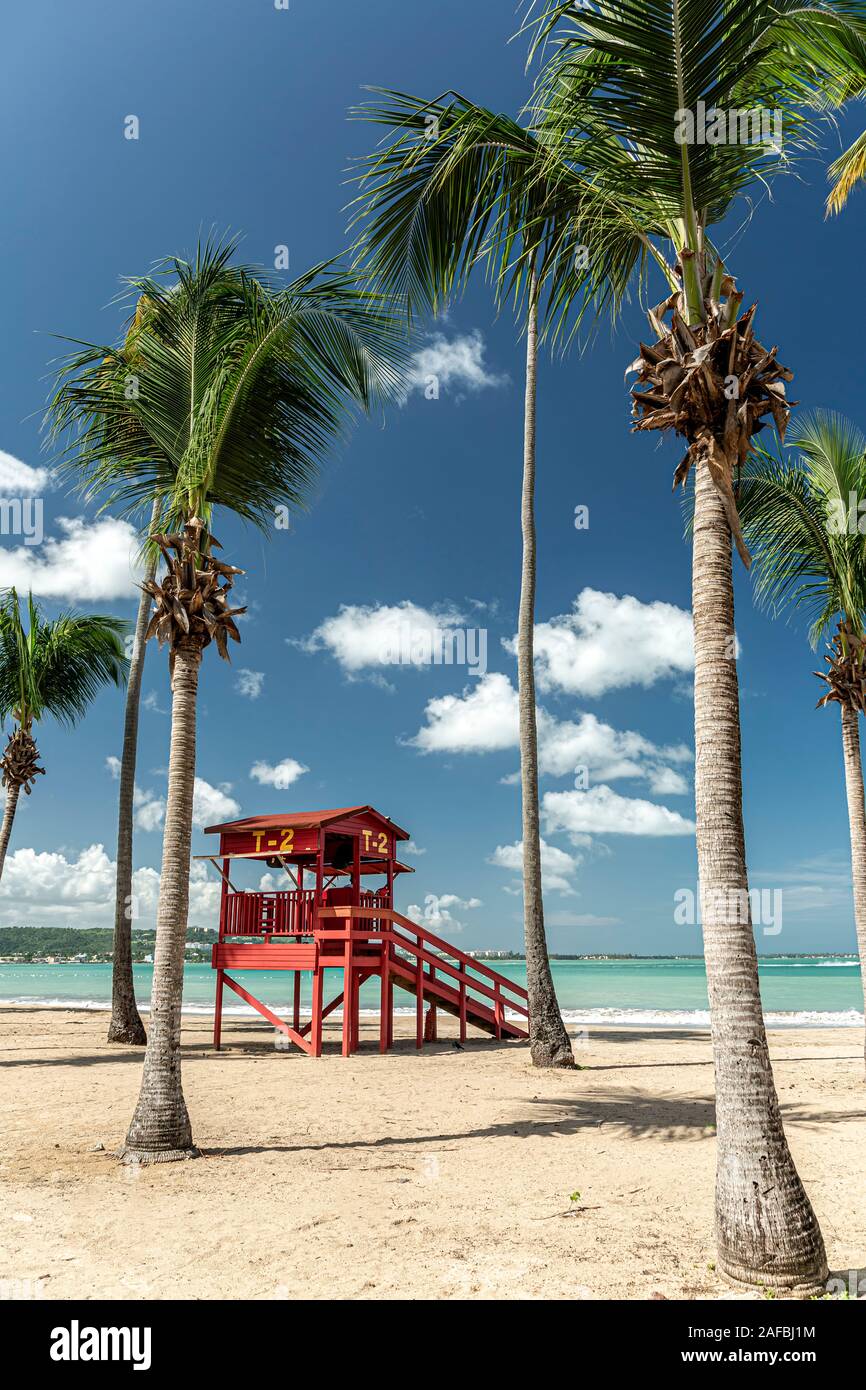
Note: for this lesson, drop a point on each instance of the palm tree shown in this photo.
(650, 102)
(811, 554)
(242, 391)
(459, 186)
(125, 1025)
(48, 667)
(79, 406)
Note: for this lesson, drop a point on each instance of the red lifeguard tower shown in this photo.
(338, 922)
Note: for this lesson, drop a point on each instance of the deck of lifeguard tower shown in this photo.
(340, 921)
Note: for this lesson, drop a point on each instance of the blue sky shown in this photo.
(243, 127)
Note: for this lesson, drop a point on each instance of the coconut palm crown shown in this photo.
(48, 667)
(804, 528)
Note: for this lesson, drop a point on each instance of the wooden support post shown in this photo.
(218, 1011)
(390, 1010)
(316, 1021)
(347, 993)
(384, 1012)
(296, 1011)
(356, 1010)
(224, 893)
(419, 1000)
(354, 995)
(319, 972)
(463, 1011)
(497, 1010)
(431, 1033)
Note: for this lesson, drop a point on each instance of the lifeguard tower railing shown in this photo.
(364, 940)
(283, 912)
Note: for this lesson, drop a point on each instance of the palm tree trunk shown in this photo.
(126, 1025)
(160, 1130)
(548, 1039)
(13, 791)
(857, 828)
(766, 1229)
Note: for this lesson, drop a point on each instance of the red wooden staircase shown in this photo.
(366, 942)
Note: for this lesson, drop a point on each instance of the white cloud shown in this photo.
(601, 811)
(437, 915)
(580, 919)
(666, 781)
(280, 775)
(485, 719)
(18, 479)
(456, 364)
(56, 886)
(557, 866)
(148, 809)
(369, 637)
(210, 806)
(606, 753)
(481, 720)
(410, 847)
(151, 702)
(204, 895)
(49, 889)
(815, 885)
(91, 560)
(249, 683)
(608, 642)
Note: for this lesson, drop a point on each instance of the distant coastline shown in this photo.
(93, 946)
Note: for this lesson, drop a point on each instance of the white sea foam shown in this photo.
(700, 1018)
(852, 964)
(620, 1017)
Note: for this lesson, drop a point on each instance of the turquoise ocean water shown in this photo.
(816, 991)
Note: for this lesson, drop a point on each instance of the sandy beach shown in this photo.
(440, 1175)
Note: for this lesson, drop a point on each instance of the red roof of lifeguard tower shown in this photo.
(299, 819)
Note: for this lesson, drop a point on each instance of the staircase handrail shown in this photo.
(468, 962)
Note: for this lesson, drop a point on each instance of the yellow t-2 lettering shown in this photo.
(285, 846)
(380, 843)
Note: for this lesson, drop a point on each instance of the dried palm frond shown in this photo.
(712, 383)
(19, 763)
(191, 603)
(846, 670)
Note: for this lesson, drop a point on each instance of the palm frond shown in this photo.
(846, 173)
(56, 666)
(457, 186)
(802, 523)
(239, 389)
(627, 79)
